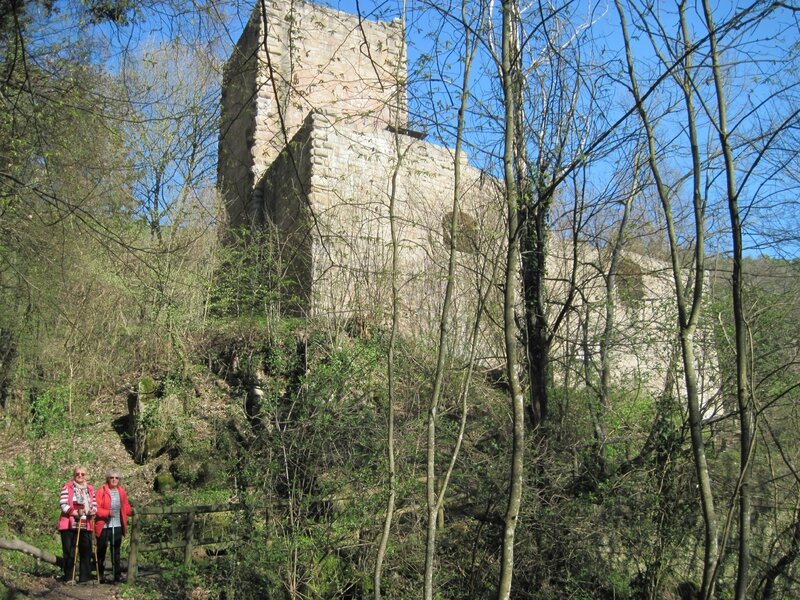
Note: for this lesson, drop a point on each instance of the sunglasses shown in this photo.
(79, 474)
(113, 477)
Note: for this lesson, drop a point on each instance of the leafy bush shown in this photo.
(50, 412)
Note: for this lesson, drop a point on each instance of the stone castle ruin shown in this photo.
(315, 149)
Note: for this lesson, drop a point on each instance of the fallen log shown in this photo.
(26, 548)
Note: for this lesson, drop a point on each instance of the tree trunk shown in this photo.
(537, 340)
(26, 548)
(435, 500)
(390, 450)
(509, 304)
(745, 404)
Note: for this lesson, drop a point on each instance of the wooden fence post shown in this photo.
(187, 553)
(133, 552)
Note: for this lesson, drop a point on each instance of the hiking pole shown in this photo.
(114, 557)
(94, 551)
(75, 549)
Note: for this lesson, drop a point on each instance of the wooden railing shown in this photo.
(188, 543)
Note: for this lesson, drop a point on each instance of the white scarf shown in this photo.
(80, 495)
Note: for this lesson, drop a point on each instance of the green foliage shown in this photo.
(630, 282)
(771, 309)
(50, 413)
(352, 369)
(249, 281)
(147, 386)
(25, 516)
(179, 580)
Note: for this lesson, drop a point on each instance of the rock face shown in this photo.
(152, 420)
(314, 147)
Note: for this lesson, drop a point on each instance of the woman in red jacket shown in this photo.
(113, 510)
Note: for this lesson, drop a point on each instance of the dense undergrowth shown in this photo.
(290, 421)
(288, 418)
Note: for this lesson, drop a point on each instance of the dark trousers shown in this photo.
(84, 553)
(111, 537)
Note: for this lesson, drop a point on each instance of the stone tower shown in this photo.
(294, 58)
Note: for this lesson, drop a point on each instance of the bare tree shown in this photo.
(510, 79)
(435, 499)
(745, 402)
(733, 192)
(688, 298)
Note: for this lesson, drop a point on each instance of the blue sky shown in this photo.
(762, 72)
(761, 65)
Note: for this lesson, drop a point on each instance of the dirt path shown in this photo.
(27, 585)
(81, 591)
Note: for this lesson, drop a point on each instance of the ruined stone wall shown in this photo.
(237, 148)
(329, 196)
(282, 207)
(356, 182)
(644, 350)
(353, 192)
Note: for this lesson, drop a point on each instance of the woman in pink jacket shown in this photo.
(78, 505)
(113, 510)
